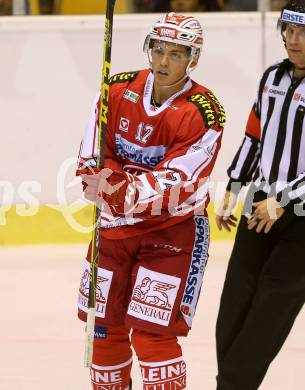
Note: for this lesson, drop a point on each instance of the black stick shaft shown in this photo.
(103, 110)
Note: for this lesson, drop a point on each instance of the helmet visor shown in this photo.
(289, 17)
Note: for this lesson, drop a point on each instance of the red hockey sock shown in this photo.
(161, 361)
(112, 359)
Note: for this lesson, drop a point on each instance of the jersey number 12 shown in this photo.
(144, 132)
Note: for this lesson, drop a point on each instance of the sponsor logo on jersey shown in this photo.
(293, 17)
(122, 77)
(171, 376)
(276, 92)
(132, 96)
(298, 97)
(104, 278)
(153, 296)
(167, 32)
(273, 91)
(124, 124)
(196, 271)
(221, 113)
(207, 109)
(100, 332)
(149, 155)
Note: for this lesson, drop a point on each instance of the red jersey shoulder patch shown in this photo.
(123, 77)
(210, 108)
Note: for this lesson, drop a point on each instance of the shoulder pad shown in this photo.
(123, 77)
(210, 108)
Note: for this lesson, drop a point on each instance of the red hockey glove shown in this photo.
(117, 189)
(120, 192)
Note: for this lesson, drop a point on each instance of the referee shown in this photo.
(264, 289)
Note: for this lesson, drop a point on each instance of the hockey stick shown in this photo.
(105, 81)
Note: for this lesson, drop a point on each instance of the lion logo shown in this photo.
(153, 293)
(84, 286)
(84, 283)
(99, 295)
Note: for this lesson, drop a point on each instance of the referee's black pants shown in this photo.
(263, 293)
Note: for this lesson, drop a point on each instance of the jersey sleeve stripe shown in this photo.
(253, 125)
(197, 157)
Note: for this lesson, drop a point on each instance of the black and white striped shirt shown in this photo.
(272, 154)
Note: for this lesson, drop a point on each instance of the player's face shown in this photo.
(169, 62)
(295, 44)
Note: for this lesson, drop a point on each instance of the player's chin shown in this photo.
(295, 55)
(162, 81)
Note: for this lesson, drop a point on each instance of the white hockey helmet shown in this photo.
(179, 29)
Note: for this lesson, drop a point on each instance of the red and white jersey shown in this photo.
(171, 149)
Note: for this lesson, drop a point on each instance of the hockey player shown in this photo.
(164, 133)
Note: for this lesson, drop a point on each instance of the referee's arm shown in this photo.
(240, 171)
